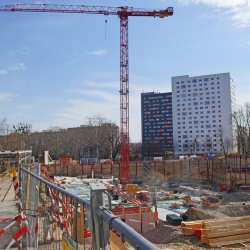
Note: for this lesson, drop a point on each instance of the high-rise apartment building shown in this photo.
(156, 122)
(202, 106)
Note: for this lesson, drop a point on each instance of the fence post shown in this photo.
(212, 171)
(189, 171)
(199, 171)
(173, 171)
(99, 230)
(164, 171)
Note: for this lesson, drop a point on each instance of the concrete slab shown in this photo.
(8, 209)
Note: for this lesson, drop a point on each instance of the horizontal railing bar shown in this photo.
(75, 197)
(127, 233)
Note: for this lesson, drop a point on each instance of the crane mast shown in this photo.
(123, 13)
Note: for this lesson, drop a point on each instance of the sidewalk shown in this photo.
(8, 209)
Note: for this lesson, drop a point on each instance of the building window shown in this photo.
(196, 122)
(213, 107)
(206, 79)
(194, 81)
(207, 103)
(208, 126)
(183, 95)
(195, 104)
(183, 86)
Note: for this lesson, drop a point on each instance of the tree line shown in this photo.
(99, 138)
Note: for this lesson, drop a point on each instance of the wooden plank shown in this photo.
(213, 233)
(115, 242)
(187, 227)
(229, 243)
(226, 239)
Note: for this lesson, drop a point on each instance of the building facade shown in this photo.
(202, 107)
(157, 124)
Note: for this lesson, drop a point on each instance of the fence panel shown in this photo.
(57, 218)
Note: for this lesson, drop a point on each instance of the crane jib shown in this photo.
(123, 13)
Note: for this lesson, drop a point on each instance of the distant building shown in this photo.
(156, 123)
(202, 106)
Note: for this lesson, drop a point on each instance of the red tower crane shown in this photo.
(123, 13)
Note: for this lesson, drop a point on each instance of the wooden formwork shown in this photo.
(217, 171)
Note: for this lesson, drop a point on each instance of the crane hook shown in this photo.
(106, 21)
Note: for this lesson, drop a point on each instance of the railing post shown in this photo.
(99, 230)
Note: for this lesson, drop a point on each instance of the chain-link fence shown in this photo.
(57, 219)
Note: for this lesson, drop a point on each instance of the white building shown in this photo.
(202, 106)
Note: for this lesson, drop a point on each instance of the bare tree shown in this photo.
(240, 123)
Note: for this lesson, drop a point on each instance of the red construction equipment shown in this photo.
(128, 197)
(123, 13)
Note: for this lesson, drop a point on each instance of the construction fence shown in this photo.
(57, 219)
(217, 171)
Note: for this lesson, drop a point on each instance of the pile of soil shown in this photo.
(164, 234)
(235, 210)
(204, 214)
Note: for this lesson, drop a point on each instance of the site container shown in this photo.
(174, 219)
(132, 188)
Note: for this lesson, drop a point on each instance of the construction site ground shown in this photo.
(234, 204)
(165, 236)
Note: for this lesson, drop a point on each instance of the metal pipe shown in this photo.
(130, 235)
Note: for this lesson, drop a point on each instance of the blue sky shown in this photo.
(57, 69)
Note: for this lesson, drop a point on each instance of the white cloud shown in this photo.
(19, 66)
(218, 3)
(23, 51)
(98, 52)
(238, 10)
(217, 10)
(25, 107)
(3, 72)
(113, 84)
(73, 61)
(100, 94)
(6, 97)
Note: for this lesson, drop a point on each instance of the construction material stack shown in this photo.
(226, 231)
